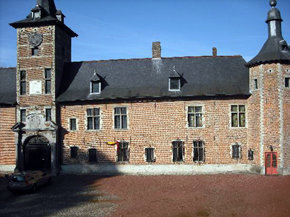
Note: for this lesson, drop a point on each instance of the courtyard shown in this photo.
(155, 196)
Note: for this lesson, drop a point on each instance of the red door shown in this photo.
(271, 163)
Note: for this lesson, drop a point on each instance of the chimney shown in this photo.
(156, 50)
(214, 52)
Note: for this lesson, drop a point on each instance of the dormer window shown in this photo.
(174, 84)
(36, 12)
(96, 87)
(59, 15)
(96, 84)
(174, 80)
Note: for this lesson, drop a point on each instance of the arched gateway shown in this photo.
(37, 153)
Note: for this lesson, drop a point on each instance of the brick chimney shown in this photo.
(156, 50)
(214, 52)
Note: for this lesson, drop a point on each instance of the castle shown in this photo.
(181, 115)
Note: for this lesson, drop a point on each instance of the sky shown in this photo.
(123, 29)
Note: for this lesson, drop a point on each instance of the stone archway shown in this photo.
(37, 153)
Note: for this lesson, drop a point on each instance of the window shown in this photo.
(120, 118)
(287, 82)
(92, 155)
(178, 151)
(123, 151)
(22, 82)
(95, 87)
(238, 116)
(22, 115)
(149, 153)
(93, 119)
(47, 81)
(198, 151)
(73, 124)
(48, 114)
(250, 154)
(34, 51)
(74, 152)
(236, 151)
(174, 84)
(195, 116)
(256, 87)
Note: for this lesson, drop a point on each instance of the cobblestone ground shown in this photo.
(67, 196)
(154, 196)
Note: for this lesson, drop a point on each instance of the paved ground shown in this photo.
(154, 196)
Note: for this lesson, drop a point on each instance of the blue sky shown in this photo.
(120, 29)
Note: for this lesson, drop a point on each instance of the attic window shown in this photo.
(36, 14)
(96, 87)
(174, 84)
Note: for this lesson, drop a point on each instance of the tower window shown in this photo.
(47, 81)
(95, 87)
(48, 114)
(93, 119)
(178, 151)
(22, 115)
(34, 51)
(22, 82)
(287, 82)
(174, 84)
(256, 87)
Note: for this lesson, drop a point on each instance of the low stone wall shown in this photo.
(159, 169)
(6, 168)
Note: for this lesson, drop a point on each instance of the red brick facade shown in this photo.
(154, 124)
(7, 143)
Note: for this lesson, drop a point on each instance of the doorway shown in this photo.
(37, 154)
(271, 163)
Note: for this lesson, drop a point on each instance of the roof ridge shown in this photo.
(7, 67)
(132, 59)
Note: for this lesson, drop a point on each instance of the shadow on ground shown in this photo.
(68, 195)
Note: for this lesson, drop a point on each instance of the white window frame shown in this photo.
(169, 85)
(91, 87)
(202, 115)
(86, 120)
(127, 117)
(246, 119)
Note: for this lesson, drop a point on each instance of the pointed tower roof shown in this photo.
(275, 48)
(48, 6)
(47, 16)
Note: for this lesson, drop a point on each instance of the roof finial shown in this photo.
(273, 3)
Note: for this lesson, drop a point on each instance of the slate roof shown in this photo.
(272, 52)
(275, 48)
(149, 78)
(7, 86)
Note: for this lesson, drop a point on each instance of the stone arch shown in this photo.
(37, 153)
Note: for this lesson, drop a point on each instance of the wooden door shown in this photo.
(271, 163)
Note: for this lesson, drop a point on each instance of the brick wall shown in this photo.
(35, 68)
(286, 116)
(7, 143)
(157, 124)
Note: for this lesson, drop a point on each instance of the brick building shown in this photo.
(182, 115)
